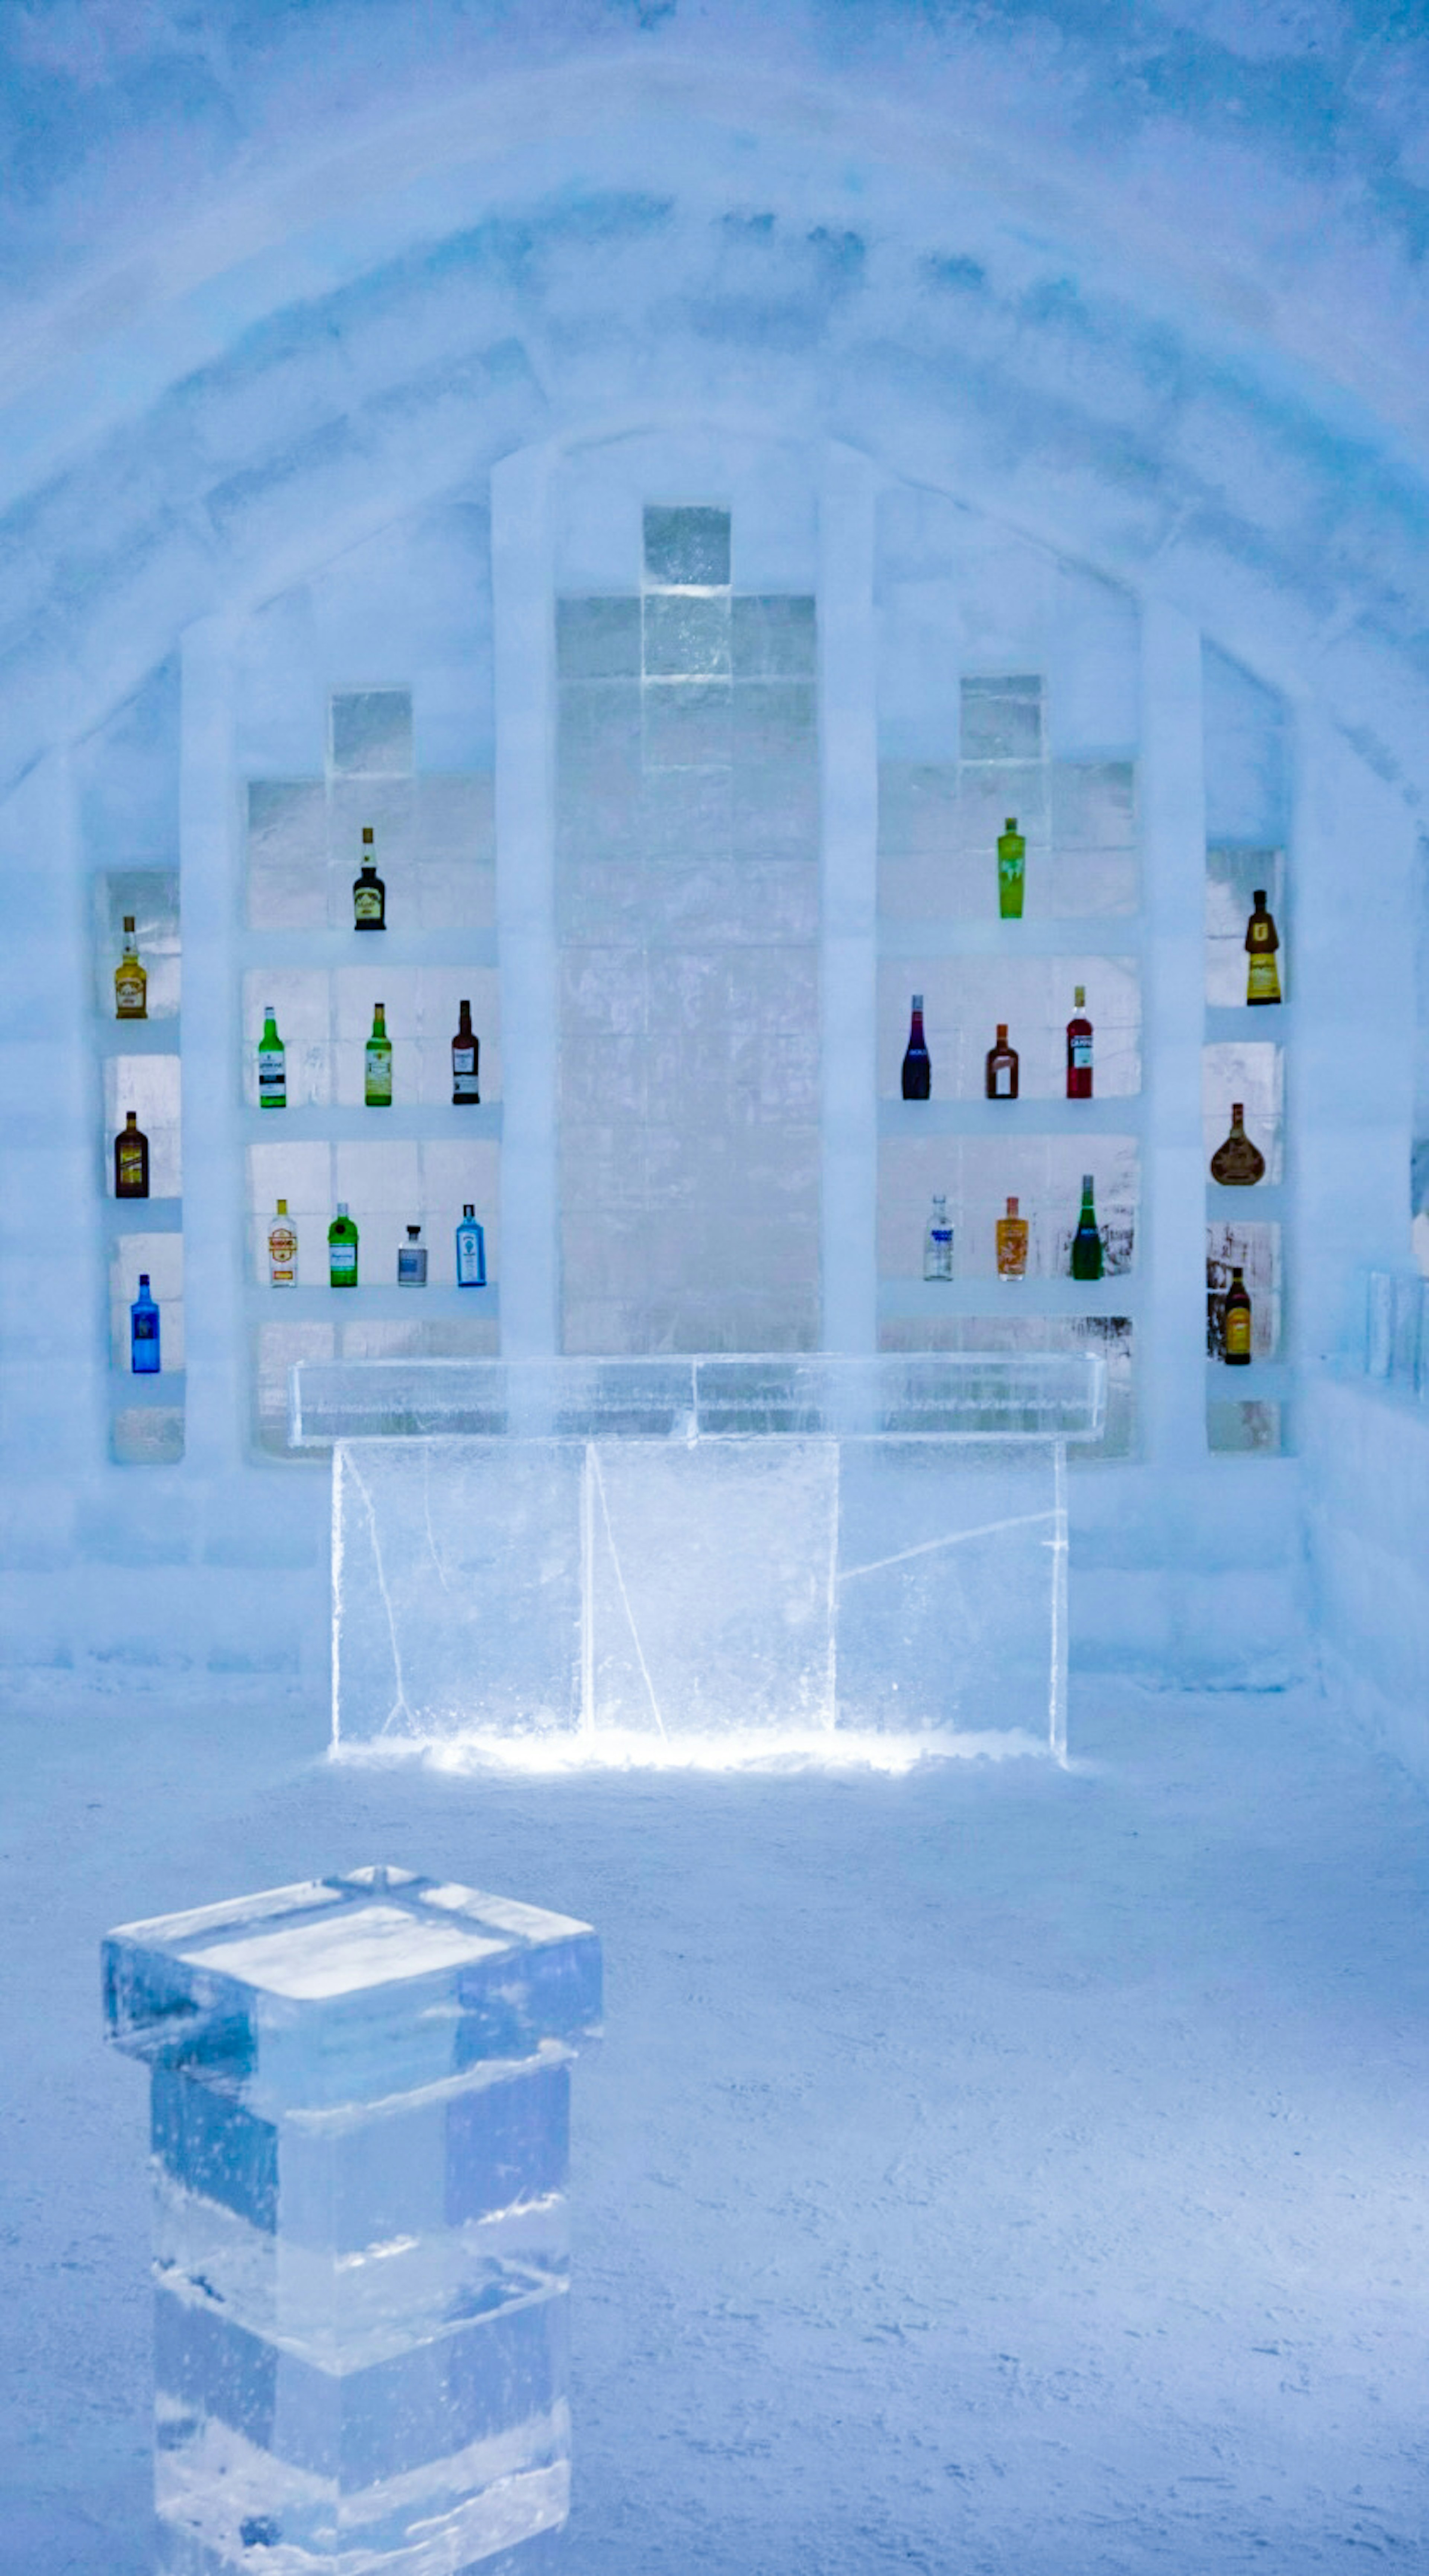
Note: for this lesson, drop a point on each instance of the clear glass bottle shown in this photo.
(272, 1064)
(412, 1260)
(342, 1249)
(1237, 1164)
(938, 1241)
(1012, 1244)
(131, 982)
(144, 1331)
(466, 1056)
(1262, 975)
(131, 1159)
(369, 894)
(1001, 1072)
(377, 1064)
(1087, 1260)
(1011, 870)
(470, 1250)
(1235, 1321)
(1079, 1048)
(917, 1064)
(282, 1249)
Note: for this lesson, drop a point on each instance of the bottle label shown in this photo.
(1263, 980)
(463, 1059)
(131, 1170)
(1237, 1332)
(1081, 1055)
(471, 1260)
(342, 1264)
(282, 1257)
(1002, 1082)
(378, 1074)
(129, 993)
(411, 1266)
(366, 903)
(272, 1075)
(146, 1324)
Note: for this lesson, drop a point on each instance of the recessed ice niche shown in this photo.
(687, 548)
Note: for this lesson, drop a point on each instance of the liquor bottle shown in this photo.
(272, 1064)
(470, 1250)
(1237, 1163)
(131, 983)
(917, 1064)
(412, 1260)
(369, 894)
(938, 1241)
(377, 1072)
(1079, 1049)
(1012, 1244)
(1235, 1321)
(466, 1054)
(1011, 870)
(131, 1159)
(1087, 1242)
(342, 1249)
(144, 1332)
(1262, 975)
(1001, 1082)
(282, 1249)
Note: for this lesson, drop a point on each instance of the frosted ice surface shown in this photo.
(687, 548)
(360, 2127)
(372, 731)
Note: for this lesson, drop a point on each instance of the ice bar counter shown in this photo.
(360, 2121)
(634, 1558)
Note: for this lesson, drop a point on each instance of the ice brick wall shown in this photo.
(687, 921)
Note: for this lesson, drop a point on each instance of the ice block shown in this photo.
(360, 2121)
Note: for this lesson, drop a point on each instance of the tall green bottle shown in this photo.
(1011, 870)
(1086, 1242)
(342, 1249)
(377, 1064)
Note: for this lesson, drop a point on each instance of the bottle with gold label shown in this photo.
(131, 982)
(377, 1069)
(131, 1159)
(369, 894)
(1012, 1244)
(1237, 1164)
(282, 1249)
(1235, 1321)
(1262, 975)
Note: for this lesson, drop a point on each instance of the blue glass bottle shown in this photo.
(144, 1331)
(470, 1251)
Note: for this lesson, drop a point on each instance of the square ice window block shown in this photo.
(684, 638)
(1001, 719)
(774, 639)
(347, 1988)
(686, 548)
(685, 724)
(287, 848)
(598, 639)
(371, 732)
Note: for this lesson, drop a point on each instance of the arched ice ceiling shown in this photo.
(983, 285)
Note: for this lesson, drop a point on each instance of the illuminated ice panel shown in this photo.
(1253, 1248)
(978, 1174)
(1253, 1073)
(938, 828)
(965, 999)
(149, 1085)
(161, 1256)
(360, 2126)
(1232, 876)
(286, 854)
(150, 896)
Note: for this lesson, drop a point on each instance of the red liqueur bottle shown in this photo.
(1079, 1049)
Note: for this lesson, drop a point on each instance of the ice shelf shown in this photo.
(360, 2122)
(701, 1559)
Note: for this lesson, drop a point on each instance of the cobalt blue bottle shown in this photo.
(144, 1331)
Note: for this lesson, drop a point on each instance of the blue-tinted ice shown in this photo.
(360, 2106)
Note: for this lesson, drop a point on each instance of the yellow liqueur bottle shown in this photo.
(131, 982)
(282, 1249)
(1235, 1321)
(1012, 1244)
(1262, 975)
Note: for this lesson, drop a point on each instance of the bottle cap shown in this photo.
(1012, 1207)
(1079, 995)
(1259, 897)
(917, 1001)
(143, 1278)
(342, 1207)
(1011, 824)
(282, 1207)
(366, 834)
(465, 1009)
(1086, 1184)
(467, 1208)
(128, 920)
(131, 1117)
(1237, 1271)
(1002, 1033)
(267, 1010)
(1237, 1112)
(412, 1233)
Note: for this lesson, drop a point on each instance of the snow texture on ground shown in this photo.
(986, 2169)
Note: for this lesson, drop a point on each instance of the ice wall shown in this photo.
(268, 462)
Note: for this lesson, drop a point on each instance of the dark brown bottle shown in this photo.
(131, 1159)
(1237, 1164)
(1235, 1321)
(466, 1054)
(369, 894)
(1002, 1067)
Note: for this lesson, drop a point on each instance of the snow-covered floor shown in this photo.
(987, 2169)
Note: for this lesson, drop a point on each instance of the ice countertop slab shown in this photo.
(347, 1987)
(944, 1395)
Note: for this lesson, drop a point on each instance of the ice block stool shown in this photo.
(360, 2103)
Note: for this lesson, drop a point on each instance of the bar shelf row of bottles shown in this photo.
(136, 999)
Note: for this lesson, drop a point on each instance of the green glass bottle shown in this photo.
(272, 1064)
(1086, 1242)
(342, 1249)
(1011, 870)
(377, 1077)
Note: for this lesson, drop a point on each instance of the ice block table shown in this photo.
(705, 1558)
(360, 2115)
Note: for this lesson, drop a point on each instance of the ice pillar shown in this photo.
(360, 2121)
